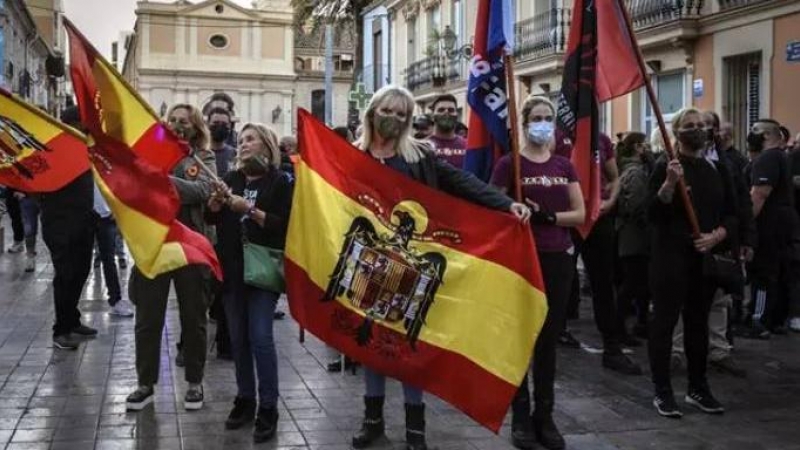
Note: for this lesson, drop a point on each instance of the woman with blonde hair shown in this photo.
(192, 282)
(550, 186)
(252, 205)
(682, 266)
(387, 138)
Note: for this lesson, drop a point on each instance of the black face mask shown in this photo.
(694, 139)
(755, 142)
(219, 132)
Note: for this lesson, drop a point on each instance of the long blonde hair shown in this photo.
(407, 147)
(203, 137)
(270, 140)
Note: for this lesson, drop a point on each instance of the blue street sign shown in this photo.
(793, 52)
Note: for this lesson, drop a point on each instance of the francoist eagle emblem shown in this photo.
(14, 140)
(383, 275)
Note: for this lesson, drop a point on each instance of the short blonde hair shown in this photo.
(657, 141)
(532, 101)
(203, 136)
(270, 140)
(407, 147)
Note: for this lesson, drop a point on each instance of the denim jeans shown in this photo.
(30, 220)
(105, 233)
(376, 387)
(250, 313)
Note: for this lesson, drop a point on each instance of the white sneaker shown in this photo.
(123, 308)
(30, 264)
(18, 247)
(794, 324)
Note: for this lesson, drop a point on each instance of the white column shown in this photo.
(193, 39)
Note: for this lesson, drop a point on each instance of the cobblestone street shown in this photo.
(57, 399)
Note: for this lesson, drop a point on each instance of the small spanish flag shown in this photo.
(132, 157)
(415, 284)
(37, 153)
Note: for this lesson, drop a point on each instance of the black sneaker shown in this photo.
(728, 365)
(566, 339)
(139, 399)
(266, 424)
(66, 342)
(547, 433)
(244, 411)
(619, 362)
(83, 330)
(194, 397)
(666, 406)
(704, 401)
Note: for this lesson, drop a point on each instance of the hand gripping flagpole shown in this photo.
(514, 122)
(651, 94)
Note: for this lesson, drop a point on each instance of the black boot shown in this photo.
(415, 427)
(546, 431)
(372, 428)
(522, 436)
(266, 425)
(244, 411)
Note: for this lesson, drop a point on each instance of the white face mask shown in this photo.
(541, 133)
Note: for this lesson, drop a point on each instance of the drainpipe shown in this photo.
(2, 44)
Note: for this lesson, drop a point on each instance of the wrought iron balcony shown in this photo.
(646, 13)
(725, 5)
(433, 72)
(543, 34)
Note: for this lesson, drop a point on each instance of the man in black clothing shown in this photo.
(794, 305)
(776, 221)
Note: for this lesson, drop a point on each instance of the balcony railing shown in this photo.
(725, 5)
(434, 71)
(645, 13)
(543, 34)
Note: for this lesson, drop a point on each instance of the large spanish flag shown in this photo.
(415, 284)
(132, 157)
(37, 153)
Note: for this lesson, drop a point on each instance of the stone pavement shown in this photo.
(56, 399)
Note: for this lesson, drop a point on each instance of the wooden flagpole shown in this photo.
(514, 122)
(651, 94)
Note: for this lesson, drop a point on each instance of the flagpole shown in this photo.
(514, 135)
(651, 94)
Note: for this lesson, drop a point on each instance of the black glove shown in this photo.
(543, 217)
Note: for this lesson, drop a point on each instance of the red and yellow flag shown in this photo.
(416, 284)
(132, 156)
(37, 153)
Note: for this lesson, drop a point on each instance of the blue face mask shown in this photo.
(541, 133)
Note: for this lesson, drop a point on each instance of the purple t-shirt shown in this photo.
(451, 150)
(564, 148)
(547, 184)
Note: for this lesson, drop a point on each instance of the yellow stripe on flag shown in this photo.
(34, 122)
(132, 118)
(468, 301)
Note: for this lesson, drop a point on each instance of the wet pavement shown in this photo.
(57, 399)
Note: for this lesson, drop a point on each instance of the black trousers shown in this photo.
(634, 290)
(678, 284)
(70, 247)
(557, 271)
(15, 214)
(598, 252)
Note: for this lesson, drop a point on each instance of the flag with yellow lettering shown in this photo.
(415, 284)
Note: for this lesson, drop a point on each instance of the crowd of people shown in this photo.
(737, 273)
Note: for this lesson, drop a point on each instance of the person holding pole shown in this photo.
(681, 266)
(550, 186)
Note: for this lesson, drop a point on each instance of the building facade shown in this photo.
(29, 48)
(738, 57)
(182, 52)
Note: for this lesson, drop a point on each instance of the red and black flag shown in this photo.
(600, 65)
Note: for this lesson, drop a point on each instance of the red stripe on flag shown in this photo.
(481, 395)
(195, 247)
(160, 147)
(66, 157)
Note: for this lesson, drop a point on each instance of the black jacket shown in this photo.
(438, 174)
(274, 198)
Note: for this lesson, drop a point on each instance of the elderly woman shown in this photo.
(680, 278)
(252, 204)
(550, 185)
(192, 282)
(387, 138)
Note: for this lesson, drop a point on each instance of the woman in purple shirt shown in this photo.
(550, 186)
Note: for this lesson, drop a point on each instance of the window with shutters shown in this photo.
(741, 94)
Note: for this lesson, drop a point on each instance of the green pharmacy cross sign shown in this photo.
(360, 96)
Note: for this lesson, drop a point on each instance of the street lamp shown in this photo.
(449, 41)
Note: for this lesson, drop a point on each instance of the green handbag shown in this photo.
(263, 267)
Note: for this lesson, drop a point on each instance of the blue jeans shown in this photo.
(376, 387)
(105, 233)
(30, 221)
(250, 312)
